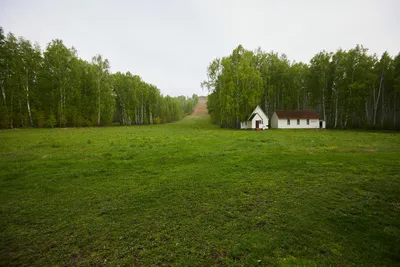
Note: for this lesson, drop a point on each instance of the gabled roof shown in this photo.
(252, 116)
(296, 114)
(254, 112)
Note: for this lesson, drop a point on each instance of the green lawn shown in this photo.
(192, 194)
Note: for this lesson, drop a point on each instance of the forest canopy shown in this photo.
(55, 88)
(348, 89)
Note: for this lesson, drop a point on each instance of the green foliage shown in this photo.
(349, 89)
(138, 102)
(192, 194)
(39, 119)
(157, 120)
(74, 91)
(51, 121)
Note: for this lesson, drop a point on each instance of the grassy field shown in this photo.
(192, 194)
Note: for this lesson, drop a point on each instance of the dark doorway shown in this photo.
(320, 124)
(257, 124)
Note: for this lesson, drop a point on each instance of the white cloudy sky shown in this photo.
(170, 43)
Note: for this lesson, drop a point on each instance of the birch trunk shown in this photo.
(298, 100)
(366, 110)
(151, 117)
(28, 105)
(266, 99)
(323, 102)
(61, 107)
(3, 94)
(336, 108)
(394, 110)
(144, 111)
(141, 113)
(383, 106)
(123, 115)
(11, 111)
(99, 103)
(20, 112)
(266, 106)
(64, 99)
(136, 116)
(376, 100)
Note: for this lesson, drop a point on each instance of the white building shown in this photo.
(296, 119)
(256, 120)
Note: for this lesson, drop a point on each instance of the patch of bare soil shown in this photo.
(200, 110)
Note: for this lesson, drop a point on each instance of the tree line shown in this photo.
(55, 88)
(348, 89)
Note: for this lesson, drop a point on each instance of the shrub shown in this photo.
(157, 120)
(51, 121)
(39, 119)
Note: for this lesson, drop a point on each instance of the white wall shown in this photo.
(264, 117)
(282, 124)
(260, 116)
(257, 118)
(274, 120)
(245, 125)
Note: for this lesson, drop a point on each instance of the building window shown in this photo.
(298, 121)
(288, 121)
(308, 121)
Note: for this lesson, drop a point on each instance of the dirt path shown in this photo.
(200, 110)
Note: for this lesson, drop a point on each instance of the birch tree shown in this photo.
(100, 71)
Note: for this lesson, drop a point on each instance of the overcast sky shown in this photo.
(171, 43)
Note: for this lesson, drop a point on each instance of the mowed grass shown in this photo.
(192, 194)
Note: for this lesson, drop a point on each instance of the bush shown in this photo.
(63, 121)
(5, 121)
(39, 119)
(157, 120)
(51, 121)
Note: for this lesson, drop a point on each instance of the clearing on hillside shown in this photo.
(200, 110)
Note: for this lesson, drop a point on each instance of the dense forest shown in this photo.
(348, 89)
(55, 88)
